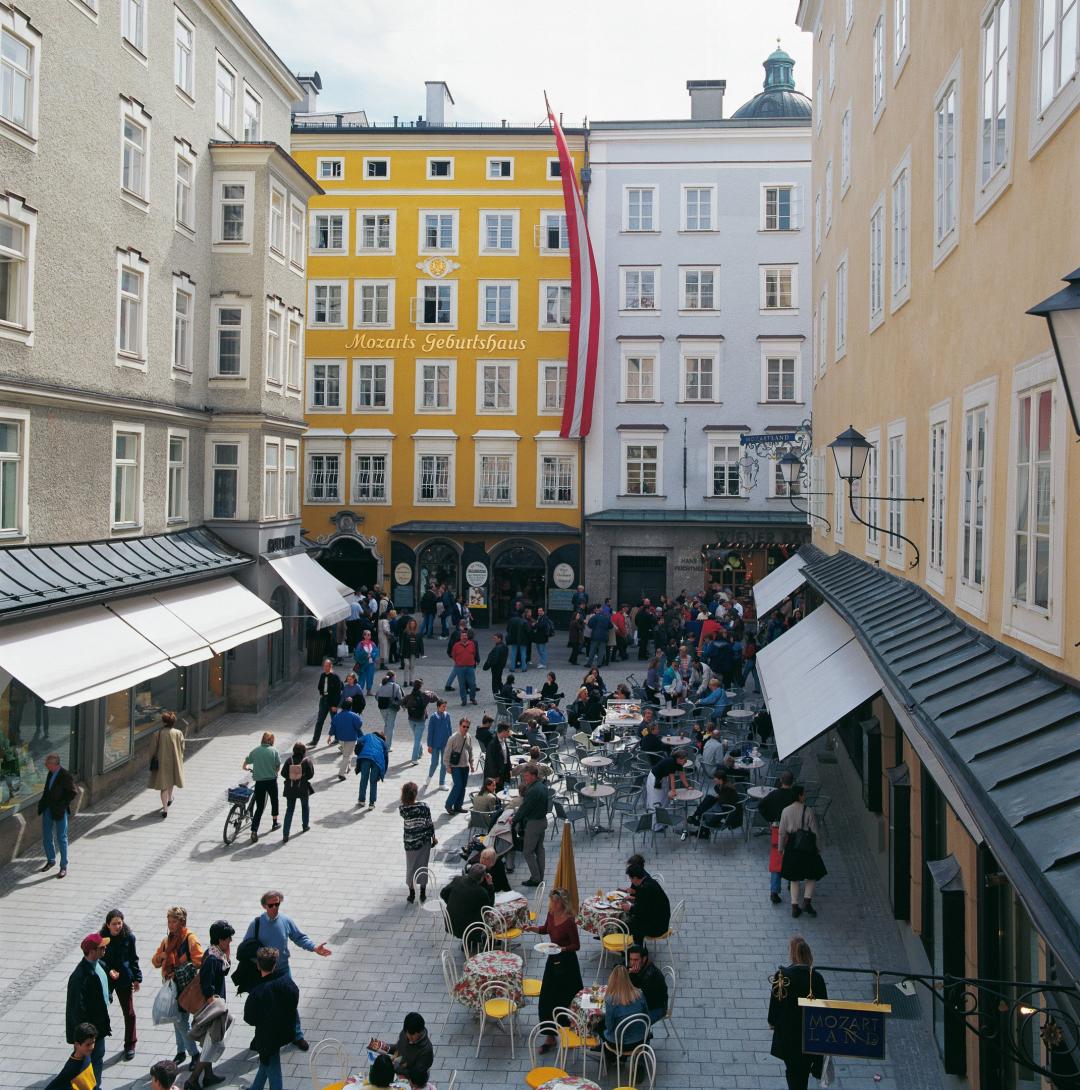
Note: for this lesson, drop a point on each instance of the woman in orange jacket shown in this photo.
(180, 947)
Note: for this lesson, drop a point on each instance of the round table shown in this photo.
(512, 910)
(570, 1082)
(749, 766)
(483, 968)
(740, 713)
(533, 698)
(671, 713)
(596, 762)
(688, 794)
(759, 791)
(594, 1013)
(676, 740)
(596, 911)
(623, 720)
(519, 759)
(598, 791)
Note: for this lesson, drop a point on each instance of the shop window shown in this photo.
(165, 693)
(29, 731)
(119, 735)
(215, 680)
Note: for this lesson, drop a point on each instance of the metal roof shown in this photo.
(41, 578)
(1005, 728)
(522, 529)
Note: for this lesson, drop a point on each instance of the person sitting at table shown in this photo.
(721, 794)
(418, 1079)
(734, 771)
(536, 757)
(550, 689)
(562, 974)
(486, 800)
(492, 862)
(381, 1072)
(650, 738)
(576, 709)
(414, 1049)
(673, 686)
(555, 716)
(593, 681)
(622, 692)
(645, 975)
(594, 710)
(497, 757)
(660, 785)
(535, 719)
(712, 753)
(621, 1000)
(650, 913)
(716, 700)
(466, 897)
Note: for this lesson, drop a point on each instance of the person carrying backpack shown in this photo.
(416, 702)
(297, 771)
(389, 698)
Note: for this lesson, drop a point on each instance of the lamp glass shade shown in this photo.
(791, 467)
(850, 452)
(1065, 332)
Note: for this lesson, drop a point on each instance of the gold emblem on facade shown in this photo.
(437, 267)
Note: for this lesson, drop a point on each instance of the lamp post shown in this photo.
(1062, 313)
(792, 468)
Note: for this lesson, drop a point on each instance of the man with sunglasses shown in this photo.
(274, 929)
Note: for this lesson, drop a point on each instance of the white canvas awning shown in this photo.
(223, 612)
(811, 676)
(778, 584)
(315, 587)
(80, 655)
(164, 629)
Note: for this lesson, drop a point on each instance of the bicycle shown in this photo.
(241, 810)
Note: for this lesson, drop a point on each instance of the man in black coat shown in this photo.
(497, 757)
(496, 662)
(772, 805)
(645, 623)
(467, 896)
(650, 980)
(329, 698)
(54, 806)
(517, 636)
(88, 998)
(650, 913)
(271, 1008)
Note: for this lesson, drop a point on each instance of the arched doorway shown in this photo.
(280, 602)
(351, 562)
(518, 568)
(437, 562)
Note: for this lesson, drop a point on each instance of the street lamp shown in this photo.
(1062, 314)
(791, 466)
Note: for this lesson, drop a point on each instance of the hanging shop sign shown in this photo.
(838, 1027)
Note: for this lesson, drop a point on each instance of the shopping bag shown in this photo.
(342, 650)
(166, 1008)
(828, 1072)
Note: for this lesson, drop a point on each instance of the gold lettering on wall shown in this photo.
(436, 342)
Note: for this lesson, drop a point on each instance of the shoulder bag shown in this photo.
(246, 974)
(803, 839)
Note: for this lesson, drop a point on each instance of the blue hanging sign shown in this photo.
(837, 1027)
(768, 437)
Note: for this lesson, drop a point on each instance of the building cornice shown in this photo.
(256, 422)
(325, 138)
(236, 154)
(31, 393)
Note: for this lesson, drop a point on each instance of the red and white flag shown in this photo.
(582, 353)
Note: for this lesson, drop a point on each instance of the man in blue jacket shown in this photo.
(274, 929)
(597, 627)
(272, 1007)
(347, 728)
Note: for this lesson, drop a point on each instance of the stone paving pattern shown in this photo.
(344, 885)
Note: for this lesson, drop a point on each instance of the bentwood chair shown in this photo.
(573, 1033)
(496, 1004)
(642, 1058)
(639, 1022)
(538, 1073)
(328, 1063)
(450, 979)
(477, 939)
(668, 1019)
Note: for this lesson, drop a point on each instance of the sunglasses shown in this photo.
(273, 904)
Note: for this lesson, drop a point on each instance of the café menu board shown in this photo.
(560, 599)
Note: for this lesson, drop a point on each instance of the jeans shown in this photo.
(444, 621)
(369, 772)
(452, 677)
(417, 738)
(298, 1032)
(437, 759)
(389, 718)
(517, 658)
(427, 625)
(467, 681)
(184, 1043)
(748, 669)
(774, 882)
(460, 776)
(541, 653)
(365, 677)
(269, 1071)
(97, 1057)
(264, 789)
(55, 828)
(324, 711)
(290, 806)
(597, 648)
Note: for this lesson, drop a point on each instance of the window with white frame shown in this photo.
(127, 478)
(133, 23)
(639, 212)
(233, 211)
(818, 105)
(279, 201)
(894, 508)
(329, 232)
(226, 482)
(821, 349)
(779, 488)
(554, 233)
(554, 168)
(323, 478)
(498, 303)
(817, 224)
(495, 473)
(184, 212)
(271, 478)
(20, 60)
(698, 212)
(698, 373)
(778, 208)
(937, 495)
(435, 386)
(326, 302)
(437, 303)
(275, 343)
(330, 169)
(868, 487)
(184, 46)
(438, 232)
(375, 232)
(640, 289)
(500, 169)
(1033, 462)
(252, 120)
(639, 376)
(325, 384)
(779, 287)
(435, 474)
(558, 478)
(18, 231)
(371, 385)
(946, 165)
(877, 264)
(832, 64)
(725, 454)
(498, 232)
(554, 304)
(1058, 47)
(698, 288)
(828, 196)
(997, 89)
(552, 382)
(374, 303)
(294, 349)
(370, 476)
(183, 324)
(13, 470)
(901, 232)
(135, 150)
(841, 307)
(496, 386)
(974, 501)
(440, 168)
(224, 96)
(133, 276)
(290, 492)
(849, 16)
(296, 235)
(878, 55)
(641, 461)
(176, 502)
(781, 375)
(901, 45)
(229, 317)
(376, 168)
(845, 150)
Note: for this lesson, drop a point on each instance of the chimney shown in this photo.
(706, 99)
(311, 85)
(439, 100)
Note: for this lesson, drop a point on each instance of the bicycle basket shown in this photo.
(240, 793)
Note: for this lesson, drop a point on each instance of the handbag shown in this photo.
(183, 976)
(154, 763)
(246, 974)
(455, 757)
(191, 999)
(803, 839)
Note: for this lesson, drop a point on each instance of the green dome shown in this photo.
(779, 99)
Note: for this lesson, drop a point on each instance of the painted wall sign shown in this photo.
(402, 574)
(432, 342)
(563, 576)
(476, 574)
(840, 1028)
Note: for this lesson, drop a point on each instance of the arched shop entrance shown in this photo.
(437, 562)
(352, 562)
(518, 567)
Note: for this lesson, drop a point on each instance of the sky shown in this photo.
(597, 59)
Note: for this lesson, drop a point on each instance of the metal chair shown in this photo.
(642, 1057)
(573, 1033)
(477, 939)
(615, 938)
(567, 811)
(498, 933)
(715, 821)
(668, 1020)
(325, 1068)
(450, 979)
(453, 1079)
(538, 902)
(821, 808)
(481, 821)
(496, 1004)
(639, 1022)
(538, 1074)
(429, 878)
(634, 824)
(674, 925)
(662, 819)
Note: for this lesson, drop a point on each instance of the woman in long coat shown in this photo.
(791, 983)
(167, 761)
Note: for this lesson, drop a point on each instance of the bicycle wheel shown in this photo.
(234, 822)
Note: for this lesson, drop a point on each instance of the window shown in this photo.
(937, 485)
(699, 289)
(225, 480)
(901, 233)
(841, 307)
(998, 87)
(554, 234)
(832, 64)
(374, 303)
(294, 350)
(233, 212)
(975, 484)
(376, 168)
(18, 226)
(1033, 463)
(781, 378)
(828, 196)
(278, 202)
(779, 211)
(642, 461)
(13, 492)
(324, 385)
(817, 109)
(372, 385)
(437, 304)
(275, 345)
(639, 208)
(133, 23)
(185, 55)
(127, 478)
(291, 492)
(176, 501)
(877, 264)
(369, 479)
(495, 478)
(552, 392)
(20, 55)
(498, 232)
(133, 273)
(878, 49)
(434, 478)
(500, 169)
(498, 304)
(375, 234)
(900, 36)
(183, 316)
(271, 478)
(946, 162)
(869, 486)
(1057, 56)
(554, 168)
(558, 478)
(252, 116)
(555, 305)
(185, 187)
(326, 302)
(224, 96)
(845, 151)
(296, 235)
(135, 145)
(229, 325)
(894, 508)
(440, 168)
(779, 287)
(724, 459)
(698, 208)
(699, 379)
(330, 170)
(435, 386)
(817, 224)
(438, 232)
(328, 232)
(639, 377)
(639, 289)
(496, 386)
(822, 347)
(323, 478)
(778, 484)
(849, 16)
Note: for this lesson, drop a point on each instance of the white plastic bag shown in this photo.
(166, 1008)
(828, 1072)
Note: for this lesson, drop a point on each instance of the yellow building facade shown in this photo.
(437, 325)
(946, 158)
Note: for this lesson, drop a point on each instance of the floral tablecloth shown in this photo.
(512, 913)
(595, 911)
(482, 968)
(570, 1082)
(594, 1014)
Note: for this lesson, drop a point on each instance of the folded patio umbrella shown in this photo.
(566, 871)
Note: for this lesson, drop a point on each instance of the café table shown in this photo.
(596, 762)
(671, 713)
(482, 968)
(600, 792)
(620, 720)
(591, 1005)
(676, 740)
(740, 714)
(519, 759)
(758, 791)
(531, 698)
(595, 912)
(685, 797)
(512, 909)
(569, 1082)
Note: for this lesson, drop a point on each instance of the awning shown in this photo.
(811, 676)
(183, 645)
(315, 587)
(778, 584)
(224, 613)
(80, 655)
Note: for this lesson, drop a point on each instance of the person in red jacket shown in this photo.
(466, 657)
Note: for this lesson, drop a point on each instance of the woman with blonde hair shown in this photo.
(790, 983)
(562, 974)
(621, 1000)
(180, 952)
(167, 761)
(263, 763)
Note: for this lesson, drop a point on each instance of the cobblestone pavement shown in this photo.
(344, 885)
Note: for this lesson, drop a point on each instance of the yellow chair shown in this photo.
(328, 1065)
(639, 1021)
(538, 1074)
(538, 902)
(642, 1056)
(615, 939)
(573, 1033)
(531, 987)
(495, 1003)
(494, 923)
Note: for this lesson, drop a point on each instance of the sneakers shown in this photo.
(371, 806)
